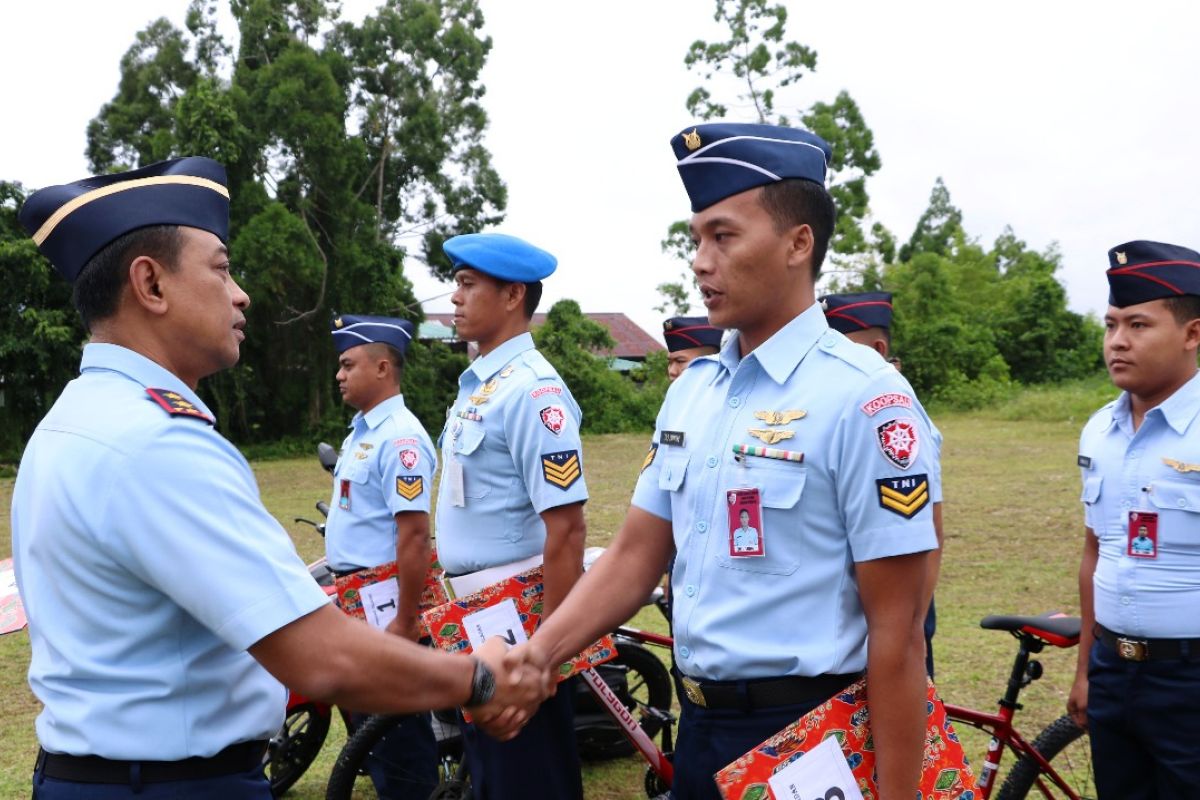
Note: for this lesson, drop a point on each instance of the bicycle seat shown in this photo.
(1053, 627)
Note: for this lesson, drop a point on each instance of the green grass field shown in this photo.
(1013, 537)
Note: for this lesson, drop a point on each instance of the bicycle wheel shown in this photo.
(1065, 745)
(643, 683)
(295, 746)
(349, 778)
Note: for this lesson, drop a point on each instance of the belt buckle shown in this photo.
(693, 691)
(1132, 649)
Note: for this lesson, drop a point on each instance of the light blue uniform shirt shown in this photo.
(147, 565)
(514, 429)
(1125, 471)
(386, 466)
(796, 610)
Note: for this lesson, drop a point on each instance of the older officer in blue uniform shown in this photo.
(820, 440)
(688, 338)
(165, 604)
(1137, 687)
(866, 318)
(512, 485)
(379, 513)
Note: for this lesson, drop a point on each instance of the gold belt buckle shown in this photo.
(1132, 649)
(693, 691)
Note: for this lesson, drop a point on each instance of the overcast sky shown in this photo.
(1074, 122)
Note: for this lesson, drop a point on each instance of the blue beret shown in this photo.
(73, 222)
(857, 312)
(1143, 271)
(501, 256)
(351, 331)
(682, 333)
(720, 160)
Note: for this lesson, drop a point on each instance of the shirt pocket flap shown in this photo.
(469, 438)
(1091, 489)
(781, 485)
(355, 472)
(670, 474)
(1176, 496)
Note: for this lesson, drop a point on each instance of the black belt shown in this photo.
(240, 757)
(765, 693)
(342, 573)
(1133, 648)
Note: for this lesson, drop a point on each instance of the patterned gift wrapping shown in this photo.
(445, 623)
(945, 773)
(432, 594)
(12, 613)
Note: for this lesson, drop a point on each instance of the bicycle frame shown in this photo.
(617, 710)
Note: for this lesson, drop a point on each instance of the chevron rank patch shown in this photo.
(904, 496)
(409, 486)
(650, 454)
(177, 405)
(561, 469)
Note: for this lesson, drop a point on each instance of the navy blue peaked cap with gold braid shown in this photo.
(722, 159)
(1141, 271)
(72, 222)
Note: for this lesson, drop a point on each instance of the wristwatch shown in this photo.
(483, 684)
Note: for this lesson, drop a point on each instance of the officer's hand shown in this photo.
(410, 631)
(1077, 701)
(519, 691)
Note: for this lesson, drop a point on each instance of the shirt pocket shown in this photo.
(468, 439)
(1176, 496)
(355, 471)
(1178, 504)
(672, 472)
(1091, 490)
(780, 487)
(466, 443)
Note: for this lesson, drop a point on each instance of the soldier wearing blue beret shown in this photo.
(1137, 685)
(866, 318)
(688, 338)
(165, 603)
(379, 516)
(512, 488)
(818, 443)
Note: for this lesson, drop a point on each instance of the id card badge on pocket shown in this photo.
(747, 539)
(1142, 539)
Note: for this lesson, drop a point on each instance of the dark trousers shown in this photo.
(541, 763)
(710, 739)
(250, 785)
(1144, 721)
(403, 765)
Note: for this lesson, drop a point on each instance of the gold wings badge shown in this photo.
(1180, 466)
(780, 417)
(770, 436)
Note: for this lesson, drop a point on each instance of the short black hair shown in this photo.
(383, 349)
(97, 290)
(795, 201)
(1185, 307)
(533, 296)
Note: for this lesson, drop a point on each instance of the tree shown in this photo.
(758, 62)
(937, 226)
(351, 150)
(40, 333)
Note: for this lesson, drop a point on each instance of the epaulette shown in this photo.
(858, 356)
(542, 368)
(177, 405)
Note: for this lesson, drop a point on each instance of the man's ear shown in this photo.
(145, 284)
(514, 296)
(1192, 336)
(881, 346)
(801, 242)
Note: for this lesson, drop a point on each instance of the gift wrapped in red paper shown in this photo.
(499, 609)
(349, 587)
(945, 774)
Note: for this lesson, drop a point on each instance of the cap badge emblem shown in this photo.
(692, 140)
(1122, 258)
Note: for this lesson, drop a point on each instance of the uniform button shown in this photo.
(1135, 453)
(828, 342)
(684, 651)
(691, 590)
(712, 461)
(1182, 502)
(734, 402)
(1125, 601)
(702, 526)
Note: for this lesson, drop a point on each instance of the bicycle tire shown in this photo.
(646, 684)
(1052, 742)
(295, 746)
(351, 762)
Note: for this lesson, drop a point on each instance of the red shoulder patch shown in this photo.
(177, 405)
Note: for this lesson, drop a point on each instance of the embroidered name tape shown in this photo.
(673, 438)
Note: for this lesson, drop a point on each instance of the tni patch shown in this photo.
(409, 486)
(561, 469)
(904, 496)
(649, 459)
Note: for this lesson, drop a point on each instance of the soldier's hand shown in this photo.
(1077, 701)
(520, 689)
(410, 630)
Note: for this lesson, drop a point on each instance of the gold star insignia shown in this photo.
(770, 436)
(780, 417)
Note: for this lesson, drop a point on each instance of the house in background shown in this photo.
(632, 343)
